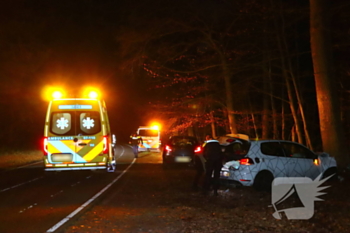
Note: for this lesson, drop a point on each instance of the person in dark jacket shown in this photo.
(214, 156)
(135, 140)
(199, 165)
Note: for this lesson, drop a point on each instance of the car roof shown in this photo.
(224, 140)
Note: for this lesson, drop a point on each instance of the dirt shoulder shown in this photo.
(151, 199)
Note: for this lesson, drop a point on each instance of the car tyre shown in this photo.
(263, 181)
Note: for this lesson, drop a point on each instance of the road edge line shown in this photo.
(71, 215)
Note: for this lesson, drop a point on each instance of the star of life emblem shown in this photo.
(62, 123)
(88, 123)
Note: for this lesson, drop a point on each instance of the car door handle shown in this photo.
(82, 144)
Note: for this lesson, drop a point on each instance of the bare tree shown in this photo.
(328, 103)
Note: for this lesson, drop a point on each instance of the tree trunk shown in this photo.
(283, 122)
(265, 111)
(212, 124)
(273, 107)
(253, 120)
(299, 99)
(289, 88)
(229, 97)
(332, 133)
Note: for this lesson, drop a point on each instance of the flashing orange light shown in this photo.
(93, 94)
(155, 127)
(57, 95)
(50, 92)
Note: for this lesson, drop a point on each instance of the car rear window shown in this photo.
(182, 141)
(236, 150)
(148, 133)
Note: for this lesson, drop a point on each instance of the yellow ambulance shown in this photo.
(77, 135)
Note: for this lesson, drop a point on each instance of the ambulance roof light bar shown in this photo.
(93, 95)
(57, 94)
(155, 127)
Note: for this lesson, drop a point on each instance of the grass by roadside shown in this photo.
(15, 158)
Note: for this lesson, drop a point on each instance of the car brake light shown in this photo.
(246, 161)
(230, 140)
(105, 144)
(198, 149)
(45, 146)
(167, 148)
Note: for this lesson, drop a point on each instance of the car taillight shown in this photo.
(230, 140)
(167, 148)
(246, 161)
(197, 149)
(105, 144)
(45, 146)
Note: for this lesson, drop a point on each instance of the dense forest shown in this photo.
(201, 66)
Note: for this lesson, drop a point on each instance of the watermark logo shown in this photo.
(295, 196)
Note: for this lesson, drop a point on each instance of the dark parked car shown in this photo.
(181, 149)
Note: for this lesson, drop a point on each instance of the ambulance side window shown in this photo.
(61, 122)
(90, 123)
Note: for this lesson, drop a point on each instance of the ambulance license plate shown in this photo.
(180, 159)
(62, 157)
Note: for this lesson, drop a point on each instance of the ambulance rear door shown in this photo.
(75, 137)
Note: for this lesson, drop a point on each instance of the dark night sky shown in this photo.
(70, 43)
(75, 43)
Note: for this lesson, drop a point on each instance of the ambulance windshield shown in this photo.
(148, 132)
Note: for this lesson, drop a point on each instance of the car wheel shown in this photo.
(263, 181)
(329, 172)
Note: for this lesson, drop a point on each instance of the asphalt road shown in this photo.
(34, 201)
(142, 196)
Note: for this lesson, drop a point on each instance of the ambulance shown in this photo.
(77, 135)
(151, 138)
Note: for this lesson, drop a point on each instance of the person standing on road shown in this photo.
(199, 165)
(135, 140)
(214, 156)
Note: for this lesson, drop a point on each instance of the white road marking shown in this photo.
(121, 153)
(17, 185)
(26, 165)
(71, 215)
(29, 207)
(61, 191)
(76, 183)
